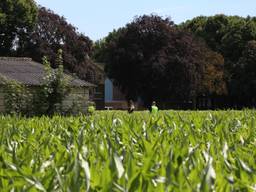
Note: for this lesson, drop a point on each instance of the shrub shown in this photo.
(17, 98)
(47, 100)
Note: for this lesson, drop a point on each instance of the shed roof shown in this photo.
(29, 72)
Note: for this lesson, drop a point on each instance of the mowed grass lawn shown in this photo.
(117, 151)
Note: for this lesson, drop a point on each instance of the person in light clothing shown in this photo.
(91, 108)
(154, 108)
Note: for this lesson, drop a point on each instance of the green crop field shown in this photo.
(116, 151)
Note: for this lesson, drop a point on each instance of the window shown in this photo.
(90, 75)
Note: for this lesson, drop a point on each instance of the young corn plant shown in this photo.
(116, 151)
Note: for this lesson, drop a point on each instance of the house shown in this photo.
(105, 95)
(96, 75)
(30, 73)
(114, 98)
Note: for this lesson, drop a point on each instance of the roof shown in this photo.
(99, 66)
(29, 72)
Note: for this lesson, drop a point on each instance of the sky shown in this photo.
(96, 18)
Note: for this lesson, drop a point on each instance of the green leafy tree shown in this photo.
(17, 19)
(227, 35)
(244, 78)
(100, 46)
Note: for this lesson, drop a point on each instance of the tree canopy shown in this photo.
(244, 78)
(150, 58)
(227, 35)
(231, 36)
(17, 19)
(99, 53)
(52, 33)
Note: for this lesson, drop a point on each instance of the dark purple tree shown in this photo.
(152, 59)
(52, 33)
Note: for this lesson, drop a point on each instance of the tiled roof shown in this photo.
(28, 72)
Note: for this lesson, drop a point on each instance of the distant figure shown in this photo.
(154, 108)
(131, 106)
(91, 108)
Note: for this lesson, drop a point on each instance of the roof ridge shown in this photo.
(24, 73)
(98, 65)
(15, 59)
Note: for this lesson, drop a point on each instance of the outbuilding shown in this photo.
(31, 73)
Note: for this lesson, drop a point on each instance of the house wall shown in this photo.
(114, 98)
(95, 75)
(97, 96)
(118, 95)
(1, 99)
(80, 95)
(112, 92)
